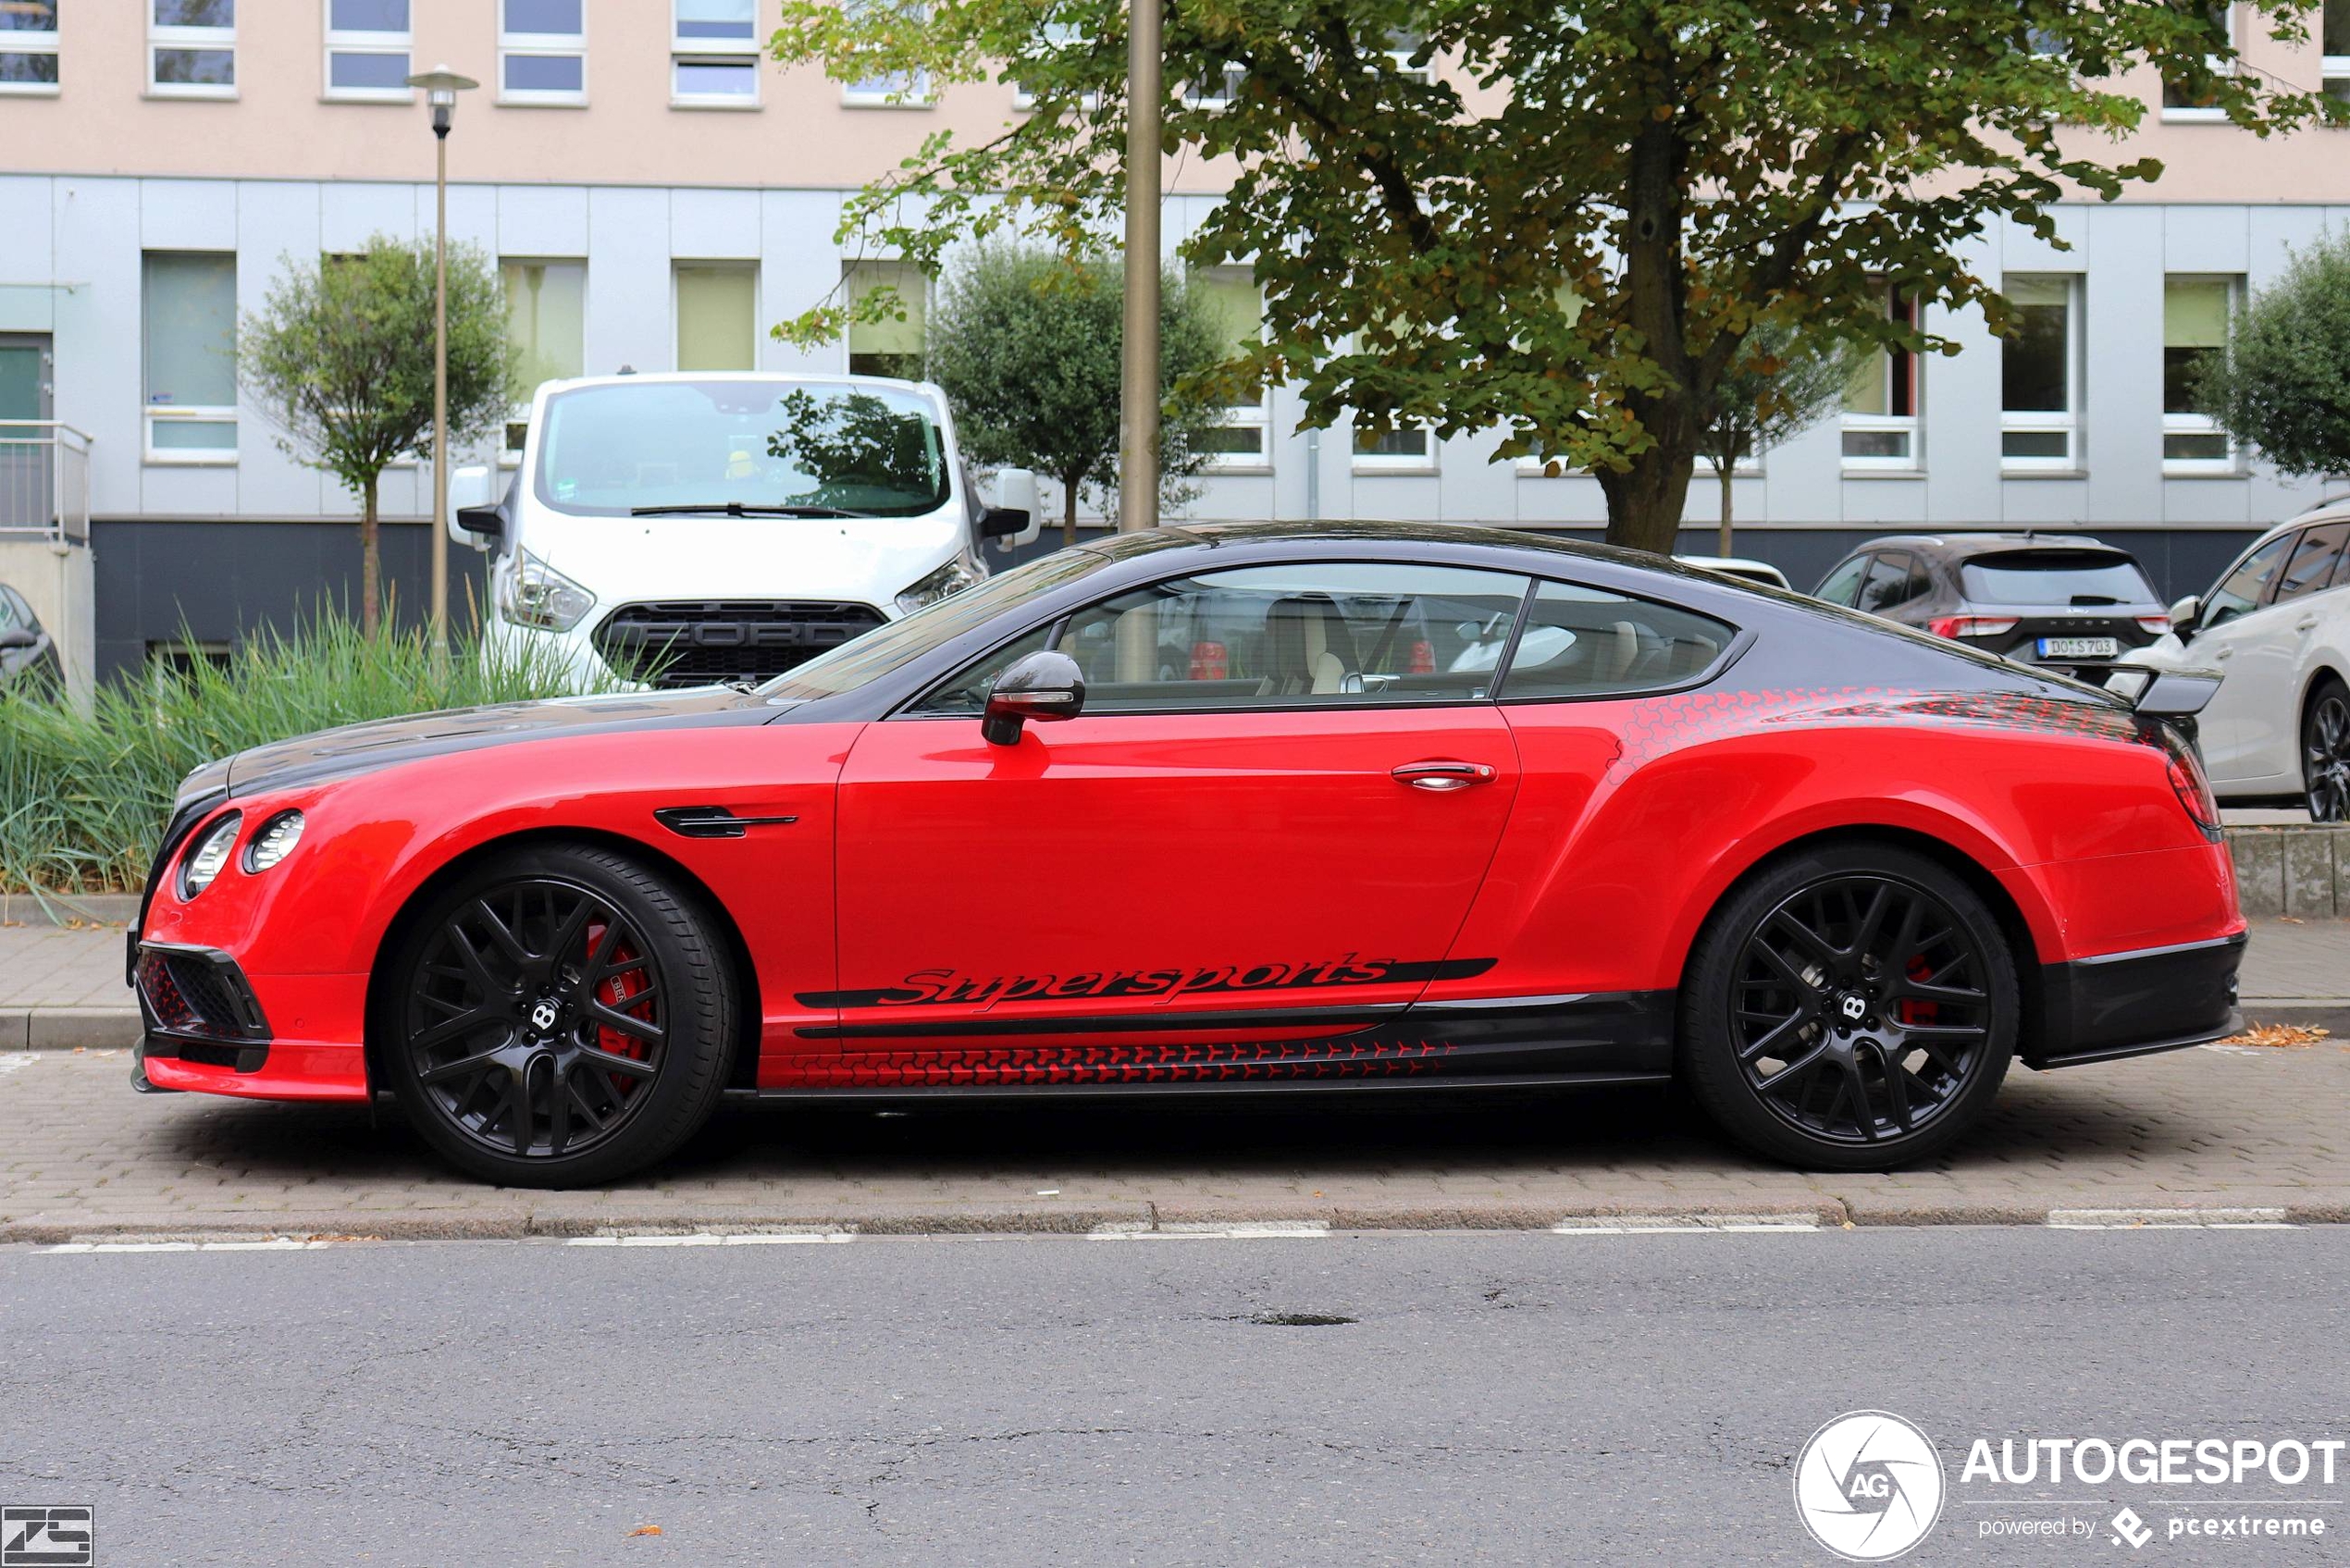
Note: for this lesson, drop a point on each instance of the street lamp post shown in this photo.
(441, 86)
(1138, 448)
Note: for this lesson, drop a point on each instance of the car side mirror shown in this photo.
(1017, 515)
(1042, 685)
(2184, 613)
(473, 518)
(19, 637)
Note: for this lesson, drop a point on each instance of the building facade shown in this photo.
(658, 196)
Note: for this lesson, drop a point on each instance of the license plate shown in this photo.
(2079, 647)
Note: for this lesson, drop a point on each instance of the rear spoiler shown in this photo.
(2164, 693)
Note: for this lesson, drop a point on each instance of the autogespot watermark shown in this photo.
(1870, 1485)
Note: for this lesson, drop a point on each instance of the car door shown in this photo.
(1272, 813)
(2236, 618)
(1894, 581)
(2274, 667)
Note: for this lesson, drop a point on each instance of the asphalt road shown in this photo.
(1347, 1399)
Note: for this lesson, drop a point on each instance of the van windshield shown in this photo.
(814, 447)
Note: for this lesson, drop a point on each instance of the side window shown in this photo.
(2246, 582)
(1585, 642)
(2311, 564)
(1316, 635)
(1887, 584)
(1843, 584)
(966, 692)
(9, 619)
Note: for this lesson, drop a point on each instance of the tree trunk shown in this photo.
(370, 564)
(1725, 551)
(1644, 503)
(1069, 512)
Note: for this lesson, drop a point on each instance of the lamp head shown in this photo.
(441, 86)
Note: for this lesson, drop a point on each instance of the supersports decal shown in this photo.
(953, 988)
(1125, 1064)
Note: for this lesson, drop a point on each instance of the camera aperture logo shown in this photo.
(1869, 1485)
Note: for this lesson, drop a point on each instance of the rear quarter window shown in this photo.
(1586, 642)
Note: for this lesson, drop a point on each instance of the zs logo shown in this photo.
(55, 1536)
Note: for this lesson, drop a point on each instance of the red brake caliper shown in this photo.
(619, 992)
(1913, 1011)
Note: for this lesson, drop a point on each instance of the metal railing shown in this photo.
(44, 481)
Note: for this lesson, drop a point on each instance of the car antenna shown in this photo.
(626, 370)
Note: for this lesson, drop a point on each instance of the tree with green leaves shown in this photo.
(339, 358)
(1026, 344)
(1555, 221)
(2282, 384)
(1778, 386)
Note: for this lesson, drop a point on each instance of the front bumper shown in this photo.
(204, 1029)
(2137, 1003)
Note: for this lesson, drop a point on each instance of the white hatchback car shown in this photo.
(2277, 624)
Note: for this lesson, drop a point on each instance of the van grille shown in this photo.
(679, 642)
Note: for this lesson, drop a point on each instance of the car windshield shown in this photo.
(875, 654)
(2055, 578)
(742, 446)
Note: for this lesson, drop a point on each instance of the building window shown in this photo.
(367, 45)
(542, 51)
(1056, 35)
(717, 315)
(887, 347)
(1401, 44)
(547, 323)
(192, 48)
(1215, 91)
(2333, 39)
(713, 60)
(188, 323)
(2194, 100)
(1243, 441)
(1881, 401)
(28, 46)
(2195, 327)
(2040, 374)
(900, 90)
(1411, 449)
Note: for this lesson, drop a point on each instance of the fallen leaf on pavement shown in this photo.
(646, 1530)
(2284, 1036)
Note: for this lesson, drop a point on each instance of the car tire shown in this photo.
(2325, 753)
(1852, 1007)
(559, 1016)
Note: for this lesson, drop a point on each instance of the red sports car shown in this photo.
(1219, 808)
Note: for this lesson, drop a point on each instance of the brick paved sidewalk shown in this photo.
(2215, 1126)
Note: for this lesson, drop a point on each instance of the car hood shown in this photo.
(851, 560)
(384, 742)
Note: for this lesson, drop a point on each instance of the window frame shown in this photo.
(713, 51)
(1257, 416)
(36, 41)
(2286, 543)
(1056, 36)
(150, 413)
(866, 94)
(352, 40)
(678, 266)
(2339, 528)
(1733, 649)
(2219, 65)
(2230, 463)
(535, 46)
(1862, 560)
(207, 39)
(1910, 427)
(518, 413)
(2066, 420)
(1394, 463)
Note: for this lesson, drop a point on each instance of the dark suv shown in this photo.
(2061, 601)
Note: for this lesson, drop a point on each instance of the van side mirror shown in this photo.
(2184, 613)
(1016, 516)
(470, 497)
(19, 637)
(1044, 685)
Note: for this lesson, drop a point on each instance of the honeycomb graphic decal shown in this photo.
(1656, 726)
(1126, 1063)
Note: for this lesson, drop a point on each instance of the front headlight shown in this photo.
(208, 855)
(948, 580)
(534, 594)
(274, 842)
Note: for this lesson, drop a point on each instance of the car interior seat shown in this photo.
(1309, 649)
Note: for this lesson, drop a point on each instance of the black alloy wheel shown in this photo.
(1850, 1010)
(561, 1019)
(2325, 754)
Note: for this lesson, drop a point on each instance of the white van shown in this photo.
(701, 527)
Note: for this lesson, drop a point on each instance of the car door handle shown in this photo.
(2222, 652)
(2310, 624)
(1444, 775)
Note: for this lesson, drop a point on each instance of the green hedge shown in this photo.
(84, 793)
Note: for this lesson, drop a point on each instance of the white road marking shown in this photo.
(1212, 1230)
(710, 1239)
(1641, 1225)
(12, 1060)
(272, 1244)
(2168, 1219)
